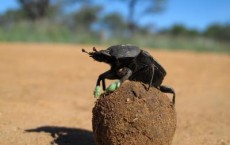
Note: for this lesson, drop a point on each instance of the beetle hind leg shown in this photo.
(167, 89)
(152, 75)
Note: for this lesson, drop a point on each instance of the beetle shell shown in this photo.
(123, 51)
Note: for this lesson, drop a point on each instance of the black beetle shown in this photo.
(129, 62)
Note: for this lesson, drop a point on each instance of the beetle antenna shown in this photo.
(94, 49)
(83, 50)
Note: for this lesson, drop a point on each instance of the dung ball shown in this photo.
(134, 115)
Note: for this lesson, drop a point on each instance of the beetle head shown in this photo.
(101, 56)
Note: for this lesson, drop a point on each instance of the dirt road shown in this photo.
(46, 94)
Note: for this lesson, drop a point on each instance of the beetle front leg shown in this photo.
(101, 78)
(123, 74)
(109, 75)
(106, 75)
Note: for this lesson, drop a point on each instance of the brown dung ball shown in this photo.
(134, 116)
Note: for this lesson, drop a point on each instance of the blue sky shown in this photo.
(191, 13)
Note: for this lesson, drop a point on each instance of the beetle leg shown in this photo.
(127, 75)
(151, 80)
(167, 89)
(102, 78)
(106, 75)
(103, 84)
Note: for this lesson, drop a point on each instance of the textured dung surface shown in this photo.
(132, 115)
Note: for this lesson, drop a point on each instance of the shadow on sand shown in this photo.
(67, 136)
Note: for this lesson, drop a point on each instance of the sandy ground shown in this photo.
(46, 94)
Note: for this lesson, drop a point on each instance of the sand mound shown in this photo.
(132, 115)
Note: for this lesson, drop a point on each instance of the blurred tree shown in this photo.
(213, 30)
(86, 16)
(226, 33)
(177, 30)
(137, 9)
(180, 30)
(217, 31)
(35, 9)
(193, 32)
(12, 16)
(113, 22)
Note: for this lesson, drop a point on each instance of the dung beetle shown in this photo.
(129, 62)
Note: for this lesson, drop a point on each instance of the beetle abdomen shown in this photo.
(146, 68)
(145, 74)
(148, 59)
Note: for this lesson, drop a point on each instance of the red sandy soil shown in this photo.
(46, 94)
